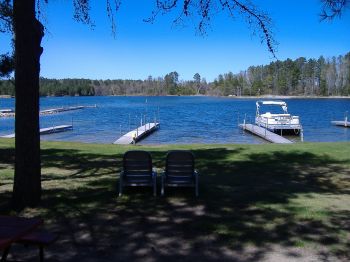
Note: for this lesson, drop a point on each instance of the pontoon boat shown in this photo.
(278, 122)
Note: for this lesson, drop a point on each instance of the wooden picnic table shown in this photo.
(12, 228)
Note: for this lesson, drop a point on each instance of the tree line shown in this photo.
(168, 85)
(299, 77)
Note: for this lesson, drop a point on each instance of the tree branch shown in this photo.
(204, 9)
(5, 16)
(111, 13)
(332, 9)
(264, 23)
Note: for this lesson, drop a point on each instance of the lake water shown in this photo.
(183, 119)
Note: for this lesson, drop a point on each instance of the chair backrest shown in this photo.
(179, 165)
(136, 162)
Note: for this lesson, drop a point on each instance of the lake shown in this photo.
(183, 119)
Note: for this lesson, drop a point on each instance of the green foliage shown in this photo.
(5, 16)
(71, 87)
(6, 65)
(171, 83)
(7, 87)
(311, 77)
(197, 78)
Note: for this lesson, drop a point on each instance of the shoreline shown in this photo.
(230, 97)
(290, 97)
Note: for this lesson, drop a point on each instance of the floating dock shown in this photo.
(63, 109)
(48, 130)
(7, 112)
(344, 123)
(11, 113)
(137, 134)
(341, 123)
(265, 134)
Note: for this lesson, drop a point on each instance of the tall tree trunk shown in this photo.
(28, 34)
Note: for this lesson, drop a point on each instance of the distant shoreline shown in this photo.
(290, 97)
(231, 97)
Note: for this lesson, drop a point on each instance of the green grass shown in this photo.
(250, 195)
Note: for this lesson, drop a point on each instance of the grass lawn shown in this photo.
(253, 198)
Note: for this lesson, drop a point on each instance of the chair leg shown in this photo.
(196, 185)
(41, 253)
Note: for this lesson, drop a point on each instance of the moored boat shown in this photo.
(275, 117)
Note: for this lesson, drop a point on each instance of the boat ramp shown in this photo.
(265, 134)
(48, 130)
(137, 134)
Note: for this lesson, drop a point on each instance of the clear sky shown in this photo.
(73, 50)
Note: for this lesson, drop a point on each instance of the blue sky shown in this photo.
(73, 50)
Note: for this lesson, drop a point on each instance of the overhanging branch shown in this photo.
(333, 9)
(204, 9)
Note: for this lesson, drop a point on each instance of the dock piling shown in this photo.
(302, 134)
(346, 119)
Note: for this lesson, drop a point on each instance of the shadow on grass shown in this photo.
(245, 207)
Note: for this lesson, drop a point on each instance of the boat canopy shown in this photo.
(279, 103)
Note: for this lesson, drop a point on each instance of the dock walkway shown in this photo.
(48, 130)
(265, 134)
(11, 112)
(63, 109)
(137, 134)
(7, 112)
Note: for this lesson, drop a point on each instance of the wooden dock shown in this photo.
(341, 123)
(11, 113)
(137, 134)
(265, 134)
(62, 109)
(344, 123)
(48, 130)
(7, 112)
